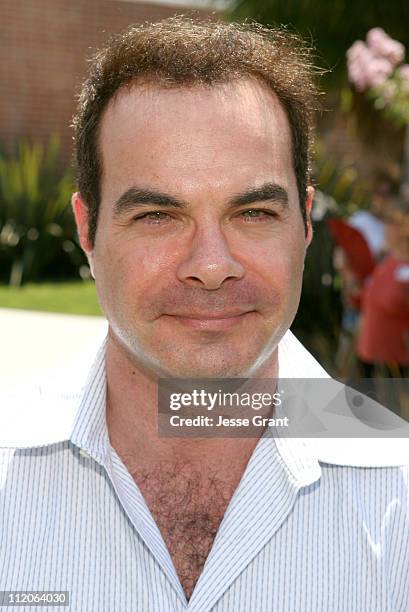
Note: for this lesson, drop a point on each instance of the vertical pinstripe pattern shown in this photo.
(298, 536)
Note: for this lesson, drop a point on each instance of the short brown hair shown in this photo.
(183, 53)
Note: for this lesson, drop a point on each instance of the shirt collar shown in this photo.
(89, 430)
(90, 433)
(56, 412)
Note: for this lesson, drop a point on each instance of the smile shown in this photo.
(212, 322)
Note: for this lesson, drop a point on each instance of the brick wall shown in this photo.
(43, 48)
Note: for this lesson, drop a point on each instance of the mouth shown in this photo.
(212, 322)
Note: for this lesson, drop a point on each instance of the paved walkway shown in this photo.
(36, 342)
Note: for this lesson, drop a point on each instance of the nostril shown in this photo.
(205, 283)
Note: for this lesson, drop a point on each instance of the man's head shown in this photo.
(193, 163)
(180, 53)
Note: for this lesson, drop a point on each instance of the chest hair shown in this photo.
(188, 508)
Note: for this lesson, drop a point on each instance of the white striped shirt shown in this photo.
(310, 528)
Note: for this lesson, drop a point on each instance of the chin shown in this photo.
(165, 357)
(211, 371)
(209, 366)
(197, 363)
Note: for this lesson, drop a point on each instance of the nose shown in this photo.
(209, 262)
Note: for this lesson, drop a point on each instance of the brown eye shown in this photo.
(154, 218)
(258, 214)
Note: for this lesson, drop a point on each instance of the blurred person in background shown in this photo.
(369, 223)
(383, 337)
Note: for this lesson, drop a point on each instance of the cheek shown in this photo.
(280, 265)
(286, 277)
(130, 272)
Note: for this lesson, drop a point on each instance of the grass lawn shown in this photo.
(72, 297)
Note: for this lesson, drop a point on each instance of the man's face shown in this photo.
(200, 245)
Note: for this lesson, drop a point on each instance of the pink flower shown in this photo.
(366, 69)
(378, 71)
(356, 50)
(384, 46)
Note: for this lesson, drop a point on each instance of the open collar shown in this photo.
(62, 410)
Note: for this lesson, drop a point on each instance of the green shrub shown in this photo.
(37, 229)
(340, 191)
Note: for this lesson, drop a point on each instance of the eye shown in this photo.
(156, 217)
(258, 214)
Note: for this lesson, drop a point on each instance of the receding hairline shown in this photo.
(151, 85)
(160, 82)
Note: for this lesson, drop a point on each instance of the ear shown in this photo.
(308, 206)
(81, 215)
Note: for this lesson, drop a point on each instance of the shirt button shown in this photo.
(84, 453)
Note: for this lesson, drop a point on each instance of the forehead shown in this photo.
(234, 130)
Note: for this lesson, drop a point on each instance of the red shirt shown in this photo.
(384, 332)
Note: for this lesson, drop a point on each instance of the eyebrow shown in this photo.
(267, 192)
(135, 197)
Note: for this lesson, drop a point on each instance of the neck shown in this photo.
(132, 420)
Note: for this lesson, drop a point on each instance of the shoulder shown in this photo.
(338, 430)
(39, 413)
(295, 361)
(43, 411)
(364, 453)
